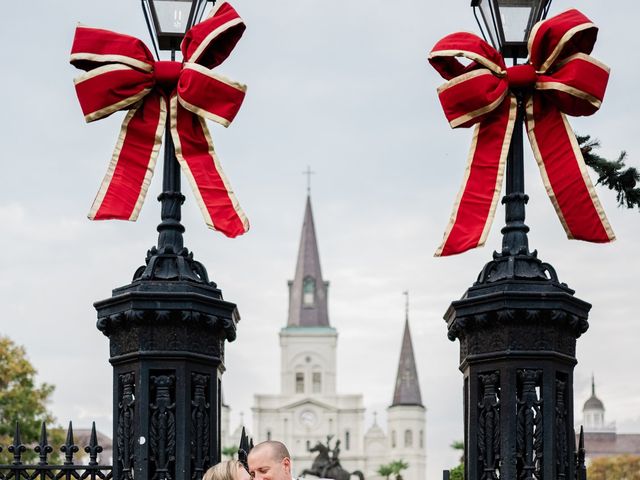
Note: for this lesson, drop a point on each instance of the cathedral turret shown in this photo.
(406, 415)
(593, 413)
(307, 290)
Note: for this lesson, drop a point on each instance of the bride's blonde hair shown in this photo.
(223, 471)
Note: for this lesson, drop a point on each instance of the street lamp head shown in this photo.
(506, 24)
(170, 20)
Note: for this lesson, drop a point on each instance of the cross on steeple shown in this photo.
(308, 173)
(406, 304)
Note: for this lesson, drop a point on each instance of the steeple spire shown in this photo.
(308, 291)
(407, 391)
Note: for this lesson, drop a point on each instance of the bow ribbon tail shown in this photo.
(195, 152)
(476, 203)
(130, 170)
(564, 173)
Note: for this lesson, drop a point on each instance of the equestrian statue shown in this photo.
(327, 463)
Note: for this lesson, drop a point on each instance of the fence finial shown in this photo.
(43, 448)
(17, 448)
(69, 447)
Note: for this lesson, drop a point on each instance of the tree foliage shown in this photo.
(230, 452)
(395, 467)
(385, 471)
(613, 174)
(623, 467)
(457, 472)
(21, 400)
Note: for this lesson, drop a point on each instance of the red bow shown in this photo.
(122, 75)
(560, 78)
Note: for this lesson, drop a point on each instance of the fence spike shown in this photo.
(43, 448)
(69, 448)
(581, 468)
(17, 448)
(93, 449)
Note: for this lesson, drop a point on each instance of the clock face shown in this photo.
(308, 418)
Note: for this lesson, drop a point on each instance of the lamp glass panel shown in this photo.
(516, 18)
(173, 16)
(489, 22)
(487, 13)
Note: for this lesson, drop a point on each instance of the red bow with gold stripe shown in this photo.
(123, 75)
(560, 78)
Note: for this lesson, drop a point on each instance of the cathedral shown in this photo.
(308, 408)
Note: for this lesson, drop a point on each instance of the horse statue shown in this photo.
(328, 466)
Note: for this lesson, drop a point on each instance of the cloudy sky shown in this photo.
(345, 88)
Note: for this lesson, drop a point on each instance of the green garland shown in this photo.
(613, 174)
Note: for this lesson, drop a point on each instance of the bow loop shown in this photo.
(577, 85)
(560, 37)
(211, 41)
(210, 95)
(96, 47)
(110, 88)
(443, 56)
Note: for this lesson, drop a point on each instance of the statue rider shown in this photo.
(334, 461)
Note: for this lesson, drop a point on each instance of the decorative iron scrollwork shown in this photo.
(162, 437)
(489, 426)
(562, 454)
(199, 425)
(125, 435)
(529, 426)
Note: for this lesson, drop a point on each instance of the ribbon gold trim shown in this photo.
(480, 111)
(94, 57)
(494, 67)
(570, 90)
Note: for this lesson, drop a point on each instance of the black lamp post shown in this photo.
(518, 324)
(167, 330)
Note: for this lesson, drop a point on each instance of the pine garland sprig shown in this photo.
(613, 174)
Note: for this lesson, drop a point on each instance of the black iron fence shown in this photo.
(73, 466)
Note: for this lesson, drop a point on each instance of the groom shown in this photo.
(270, 460)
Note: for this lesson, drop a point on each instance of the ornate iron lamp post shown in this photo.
(518, 324)
(167, 330)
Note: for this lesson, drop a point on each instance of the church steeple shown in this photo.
(407, 391)
(308, 291)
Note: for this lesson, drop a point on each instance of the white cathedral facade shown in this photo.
(308, 408)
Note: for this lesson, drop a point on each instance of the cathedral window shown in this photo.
(408, 438)
(308, 291)
(393, 439)
(268, 435)
(317, 382)
(347, 440)
(421, 439)
(299, 382)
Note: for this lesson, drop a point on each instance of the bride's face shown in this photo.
(242, 474)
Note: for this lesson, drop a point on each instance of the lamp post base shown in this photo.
(517, 328)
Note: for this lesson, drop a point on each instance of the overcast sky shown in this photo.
(345, 88)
